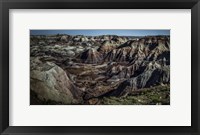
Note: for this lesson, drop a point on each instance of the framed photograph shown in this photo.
(99, 67)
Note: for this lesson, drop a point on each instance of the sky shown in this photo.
(102, 32)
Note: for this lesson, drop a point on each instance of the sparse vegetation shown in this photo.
(158, 95)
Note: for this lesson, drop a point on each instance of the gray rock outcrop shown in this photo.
(50, 82)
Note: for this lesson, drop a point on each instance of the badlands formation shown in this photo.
(107, 69)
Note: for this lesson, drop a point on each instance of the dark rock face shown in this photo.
(91, 56)
(83, 69)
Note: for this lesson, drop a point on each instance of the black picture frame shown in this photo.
(5, 5)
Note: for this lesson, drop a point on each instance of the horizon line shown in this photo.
(102, 32)
(98, 35)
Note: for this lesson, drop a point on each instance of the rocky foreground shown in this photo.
(106, 69)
